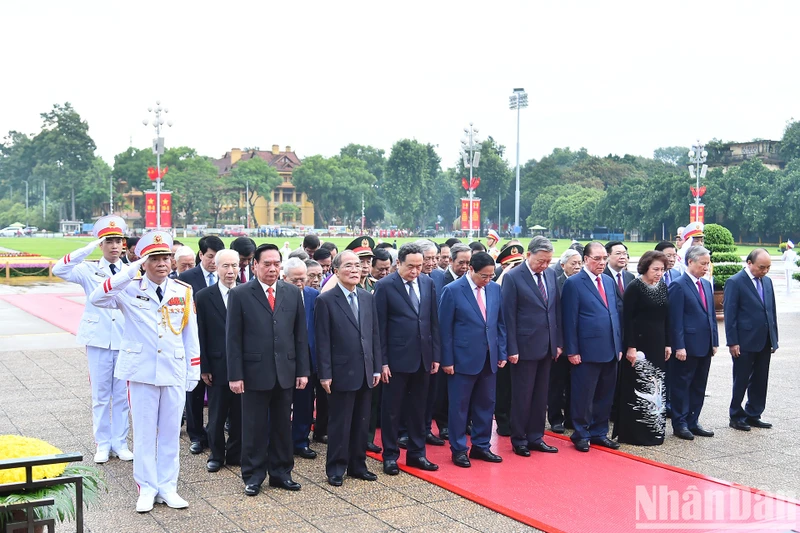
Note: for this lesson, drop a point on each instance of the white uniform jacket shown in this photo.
(151, 351)
(101, 328)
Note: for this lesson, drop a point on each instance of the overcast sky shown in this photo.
(614, 77)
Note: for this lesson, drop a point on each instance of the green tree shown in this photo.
(260, 177)
(790, 144)
(495, 175)
(412, 173)
(672, 155)
(192, 183)
(94, 188)
(131, 166)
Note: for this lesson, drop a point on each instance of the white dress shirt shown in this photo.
(224, 292)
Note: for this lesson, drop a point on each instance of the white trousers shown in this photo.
(789, 274)
(156, 415)
(109, 400)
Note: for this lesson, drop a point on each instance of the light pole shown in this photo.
(697, 156)
(26, 204)
(517, 101)
(158, 149)
(471, 154)
(111, 194)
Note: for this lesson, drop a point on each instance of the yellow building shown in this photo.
(268, 211)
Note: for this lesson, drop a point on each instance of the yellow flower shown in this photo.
(15, 447)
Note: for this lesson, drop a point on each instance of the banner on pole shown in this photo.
(697, 213)
(150, 211)
(476, 214)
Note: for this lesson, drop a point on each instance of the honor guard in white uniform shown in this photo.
(159, 355)
(101, 331)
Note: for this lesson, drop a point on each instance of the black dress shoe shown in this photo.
(444, 434)
(374, 448)
(461, 460)
(390, 468)
(305, 453)
(336, 481)
(700, 431)
(285, 484)
(557, 428)
(213, 466)
(605, 442)
(758, 423)
(504, 431)
(741, 425)
(322, 439)
(366, 475)
(484, 455)
(252, 490)
(582, 445)
(196, 447)
(544, 447)
(684, 434)
(402, 442)
(522, 451)
(433, 440)
(422, 463)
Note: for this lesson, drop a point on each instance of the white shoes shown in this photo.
(101, 456)
(145, 503)
(123, 453)
(172, 500)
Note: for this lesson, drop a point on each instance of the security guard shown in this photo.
(492, 238)
(159, 355)
(362, 247)
(100, 331)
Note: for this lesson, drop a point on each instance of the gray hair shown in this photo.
(425, 245)
(694, 253)
(221, 255)
(299, 254)
(568, 253)
(540, 244)
(293, 263)
(393, 254)
(310, 263)
(336, 264)
(183, 251)
(457, 248)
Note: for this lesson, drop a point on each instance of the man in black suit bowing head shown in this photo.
(268, 357)
(409, 332)
(349, 360)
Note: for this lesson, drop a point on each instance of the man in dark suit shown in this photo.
(559, 390)
(267, 358)
(294, 272)
(409, 331)
(473, 337)
(437, 393)
(245, 247)
(223, 404)
(532, 315)
(617, 269)
(202, 276)
(751, 329)
(593, 344)
(693, 331)
(346, 323)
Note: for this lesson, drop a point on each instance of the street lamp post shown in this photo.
(517, 101)
(26, 204)
(697, 157)
(471, 153)
(158, 149)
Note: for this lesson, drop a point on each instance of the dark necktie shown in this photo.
(113, 268)
(242, 277)
(760, 288)
(413, 295)
(667, 279)
(159, 293)
(620, 284)
(541, 287)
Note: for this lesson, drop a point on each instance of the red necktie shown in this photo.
(702, 295)
(271, 298)
(602, 290)
(242, 277)
(619, 283)
(481, 305)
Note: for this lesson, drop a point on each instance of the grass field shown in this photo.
(58, 247)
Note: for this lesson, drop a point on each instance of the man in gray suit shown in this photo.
(268, 357)
(532, 313)
(348, 354)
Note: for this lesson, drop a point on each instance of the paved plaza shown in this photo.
(44, 393)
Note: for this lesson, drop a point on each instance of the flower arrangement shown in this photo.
(63, 509)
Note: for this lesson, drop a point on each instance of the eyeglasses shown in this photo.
(351, 266)
(599, 259)
(485, 276)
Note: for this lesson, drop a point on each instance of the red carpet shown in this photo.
(56, 309)
(597, 491)
(570, 491)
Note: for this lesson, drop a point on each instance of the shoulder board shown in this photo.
(179, 282)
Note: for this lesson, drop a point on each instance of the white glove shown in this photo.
(133, 268)
(98, 242)
(191, 384)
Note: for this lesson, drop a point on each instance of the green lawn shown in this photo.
(58, 247)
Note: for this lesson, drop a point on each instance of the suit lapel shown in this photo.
(400, 285)
(590, 282)
(260, 295)
(696, 292)
(467, 288)
(216, 299)
(345, 306)
(753, 287)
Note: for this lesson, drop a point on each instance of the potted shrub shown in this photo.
(724, 261)
(63, 509)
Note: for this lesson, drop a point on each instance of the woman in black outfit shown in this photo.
(641, 417)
